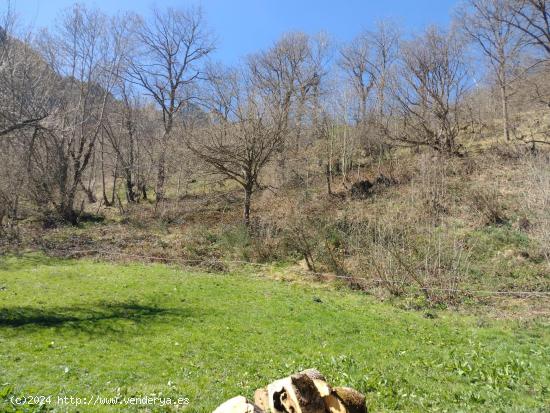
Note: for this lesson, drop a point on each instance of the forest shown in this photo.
(408, 169)
(126, 120)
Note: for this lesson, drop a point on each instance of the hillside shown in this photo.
(475, 223)
(190, 215)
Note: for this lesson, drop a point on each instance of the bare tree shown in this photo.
(385, 41)
(128, 128)
(532, 17)
(367, 63)
(242, 135)
(433, 80)
(287, 76)
(124, 130)
(23, 80)
(81, 57)
(488, 24)
(355, 61)
(170, 49)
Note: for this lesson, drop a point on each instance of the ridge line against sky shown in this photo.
(246, 26)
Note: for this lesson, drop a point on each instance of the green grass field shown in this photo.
(82, 328)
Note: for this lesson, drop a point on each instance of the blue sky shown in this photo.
(246, 26)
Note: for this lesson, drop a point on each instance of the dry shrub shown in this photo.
(408, 258)
(536, 201)
(199, 244)
(320, 242)
(369, 244)
(404, 257)
(429, 186)
(301, 236)
(315, 236)
(487, 204)
(169, 212)
(265, 240)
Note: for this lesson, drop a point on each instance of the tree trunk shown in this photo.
(281, 166)
(130, 194)
(328, 175)
(161, 174)
(103, 183)
(115, 176)
(246, 209)
(66, 207)
(89, 189)
(89, 194)
(67, 212)
(144, 191)
(505, 115)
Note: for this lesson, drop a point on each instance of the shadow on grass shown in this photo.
(88, 318)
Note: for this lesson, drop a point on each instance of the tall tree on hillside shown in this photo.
(124, 130)
(488, 24)
(357, 64)
(82, 58)
(367, 63)
(242, 135)
(170, 49)
(433, 79)
(23, 81)
(532, 17)
(385, 41)
(287, 75)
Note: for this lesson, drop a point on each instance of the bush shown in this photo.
(410, 259)
(488, 206)
(536, 201)
(429, 186)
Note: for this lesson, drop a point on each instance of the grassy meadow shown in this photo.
(81, 328)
